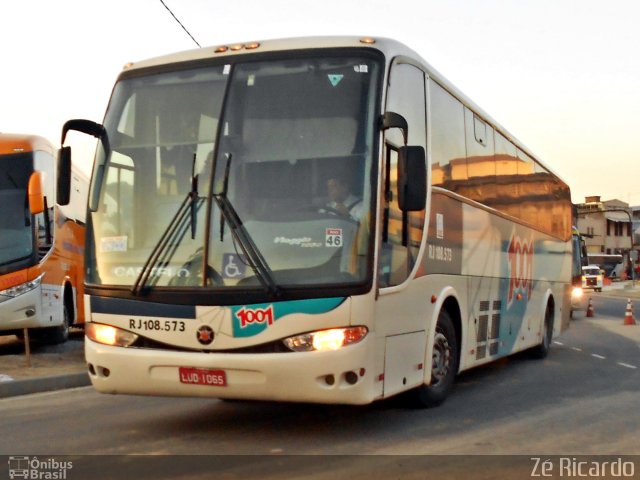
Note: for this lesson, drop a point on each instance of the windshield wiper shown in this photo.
(251, 252)
(175, 230)
(193, 194)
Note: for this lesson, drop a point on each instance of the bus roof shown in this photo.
(11, 143)
(385, 45)
(388, 47)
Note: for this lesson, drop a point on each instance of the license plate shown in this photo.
(203, 376)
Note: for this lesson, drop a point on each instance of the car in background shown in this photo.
(592, 277)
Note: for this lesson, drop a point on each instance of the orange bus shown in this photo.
(41, 243)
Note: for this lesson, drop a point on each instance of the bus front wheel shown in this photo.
(444, 366)
(55, 335)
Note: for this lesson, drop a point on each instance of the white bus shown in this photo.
(220, 265)
(611, 263)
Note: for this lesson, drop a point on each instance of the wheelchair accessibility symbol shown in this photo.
(233, 266)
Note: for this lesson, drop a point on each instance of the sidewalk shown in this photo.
(53, 367)
(624, 289)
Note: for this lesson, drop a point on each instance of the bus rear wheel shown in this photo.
(444, 366)
(542, 350)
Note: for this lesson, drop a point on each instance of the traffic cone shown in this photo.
(590, 311)
(628, 314)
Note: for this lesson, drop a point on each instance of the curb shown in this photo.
(26, 386)
(621, 293)
(625, 289)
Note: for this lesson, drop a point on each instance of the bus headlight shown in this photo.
(325, 340)
(577, 293)
(108, 335)
(22, 288)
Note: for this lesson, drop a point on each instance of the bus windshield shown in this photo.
(16, 239)
(237, 175)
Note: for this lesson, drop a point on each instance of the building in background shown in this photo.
(609, 227)
(635, 215)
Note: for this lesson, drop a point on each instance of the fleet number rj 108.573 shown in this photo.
(157, 325)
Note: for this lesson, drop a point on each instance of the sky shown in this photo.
(562, 76)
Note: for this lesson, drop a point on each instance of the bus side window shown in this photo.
(44, 221)
(119, 197)
(401, 238)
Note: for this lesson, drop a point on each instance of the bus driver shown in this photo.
(342, 200)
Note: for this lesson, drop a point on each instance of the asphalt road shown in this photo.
(582, 400)
(605, 306)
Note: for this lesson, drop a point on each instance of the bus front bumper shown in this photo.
(23, 311)
(343, 376)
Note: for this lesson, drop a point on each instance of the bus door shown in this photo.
(401, 311)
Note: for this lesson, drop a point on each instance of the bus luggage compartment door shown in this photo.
(404, 362)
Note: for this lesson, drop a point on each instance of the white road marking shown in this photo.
(599, 357)
(626, 365)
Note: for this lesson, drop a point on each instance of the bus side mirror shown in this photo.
(36, 197)
(395, 120)
(84, 126)
(412, 179)
(63, 186)
(64, 159)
